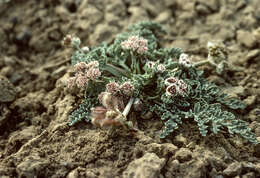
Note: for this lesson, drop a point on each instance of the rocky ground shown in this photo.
(35, 139)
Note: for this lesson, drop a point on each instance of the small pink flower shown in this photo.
(171, 90)
(127, 89)
(93, 73)
(161, 68)
(112, 88)
(185, 60)
(171, 80)
(81, 80)
(67, 40)
(80, 67)
(135, 43)
(92, 64)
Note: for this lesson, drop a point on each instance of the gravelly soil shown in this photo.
(35, 139)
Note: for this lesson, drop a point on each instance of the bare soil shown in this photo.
(35, 139)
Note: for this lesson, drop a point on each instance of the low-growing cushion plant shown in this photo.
(134, 74)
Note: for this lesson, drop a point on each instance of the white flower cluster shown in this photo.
(185, 60)
(160, 67)
(71, 41)
(175, 86)
(135, 43)
(84, 73)
(126, 88)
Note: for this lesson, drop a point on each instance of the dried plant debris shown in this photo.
(136, 71)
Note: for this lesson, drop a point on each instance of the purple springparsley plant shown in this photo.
(137, 71)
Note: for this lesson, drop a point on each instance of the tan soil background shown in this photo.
(35, 139)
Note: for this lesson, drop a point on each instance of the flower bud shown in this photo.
(171, 90)
(127, 89)
(112, 88)
(161, 68)
(93, 73)
(171, 80)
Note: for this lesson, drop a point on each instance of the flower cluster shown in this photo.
(71, 41)
(84, 73)
(127, 89)
(185, 60)
(152, 65)
(217, 52)
(175, 86)
(135, 43)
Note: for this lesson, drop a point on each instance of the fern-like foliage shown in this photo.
(203, 101)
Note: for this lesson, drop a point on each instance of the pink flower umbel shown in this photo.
(185, 60)
(135, 43)
(93, 73)
(175, 86)
(171, 90)
(81, 80)
(84, 73)
(92, 64)
(127, 89)
(80, 67)
(112, 88)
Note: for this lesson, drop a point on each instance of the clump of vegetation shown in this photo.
(136, 75)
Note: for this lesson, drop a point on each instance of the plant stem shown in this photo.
(128, 107)
(200, 63)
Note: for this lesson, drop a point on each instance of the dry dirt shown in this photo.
(35, 139)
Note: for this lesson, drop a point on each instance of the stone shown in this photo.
(161, 149)
(112, 19)
(103, 32)
(233, 169)
(155, 7)
(137, 14)
(31, 167)
(202, 9)
(7, 90)
(246, 38)
(5, 115)
(249, 175)
(235, 91)
(179, 140)
(256, 34)
(164, 17)
(149, 165)
(73, 174)
(172, 166)
(117, 7)
(251, 56)
(257, 131)
(183, 155)
(212, 4)
(169, 3)
(249, 101)
(254, 115)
